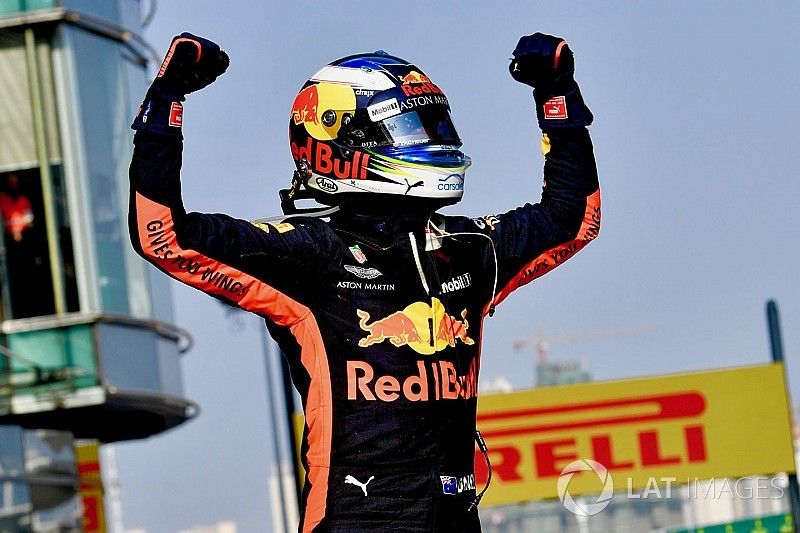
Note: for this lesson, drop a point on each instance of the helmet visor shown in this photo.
(395, 119)
(431, 125)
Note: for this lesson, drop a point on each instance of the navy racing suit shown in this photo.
(380, 320)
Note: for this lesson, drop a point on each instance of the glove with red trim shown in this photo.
(546, 63)
(191, 64)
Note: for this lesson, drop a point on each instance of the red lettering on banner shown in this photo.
(505, 464)
(91, 513)
(666, 407)
(601, 447)
(695, 444)
(651, 454)
(551, 456)
(548, 459)
(555, 444)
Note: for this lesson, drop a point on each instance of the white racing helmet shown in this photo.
(372, 127)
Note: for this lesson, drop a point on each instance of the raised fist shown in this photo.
(191, 63)
(542, 60)
(546, 63)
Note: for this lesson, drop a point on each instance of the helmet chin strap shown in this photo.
(315, 212)
(290, 209)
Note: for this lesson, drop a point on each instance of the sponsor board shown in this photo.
(696, 425)
(763, 524)
(87, 456)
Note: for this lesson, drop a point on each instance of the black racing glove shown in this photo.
(547, 64)
(190, 64)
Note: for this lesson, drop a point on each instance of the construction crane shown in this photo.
(542, 343)
(550, 373)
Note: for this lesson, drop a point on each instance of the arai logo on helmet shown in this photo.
(453, 182)
(327, 184)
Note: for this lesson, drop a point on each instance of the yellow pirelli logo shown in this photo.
(727, 423)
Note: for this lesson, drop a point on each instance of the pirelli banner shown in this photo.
(674, 429)
(87, 455)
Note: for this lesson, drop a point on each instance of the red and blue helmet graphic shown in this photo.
(374, 123)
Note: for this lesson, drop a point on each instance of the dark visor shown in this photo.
(429, 126)
(393, 118)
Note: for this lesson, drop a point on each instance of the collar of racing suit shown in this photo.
(380, 231)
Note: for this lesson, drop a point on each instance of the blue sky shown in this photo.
(695, 138)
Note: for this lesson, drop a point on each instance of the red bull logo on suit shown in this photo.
(424, 328)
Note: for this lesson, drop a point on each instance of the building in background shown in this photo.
(37, 481)
(86, 342)
(560, 373)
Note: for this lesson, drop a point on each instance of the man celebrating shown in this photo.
(377, 301)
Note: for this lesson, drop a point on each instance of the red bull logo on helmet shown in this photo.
(304, 108)
(424, 328)
(415, 83)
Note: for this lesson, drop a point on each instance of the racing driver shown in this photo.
(376, 300)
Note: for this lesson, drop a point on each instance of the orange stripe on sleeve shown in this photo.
(549, 259)
(318, 413)
(160, 245)
(557, 58)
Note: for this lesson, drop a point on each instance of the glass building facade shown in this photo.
(71, 78)
(84, 322)
(38, 482)
(86, 345)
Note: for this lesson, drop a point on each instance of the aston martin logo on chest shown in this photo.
(362, 272)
